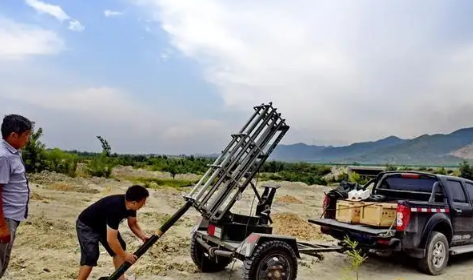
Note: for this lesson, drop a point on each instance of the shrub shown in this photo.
(355, 257)
(466, 171)
(102, 165)
(62, 162)
(34, 153)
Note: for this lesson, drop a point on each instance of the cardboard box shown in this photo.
(379, 214)
(349, 211)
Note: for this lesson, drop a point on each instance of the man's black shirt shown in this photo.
(108, 211)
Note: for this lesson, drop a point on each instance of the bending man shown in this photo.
(99, 223)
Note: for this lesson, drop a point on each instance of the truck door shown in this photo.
(469, 191)
(461, 212)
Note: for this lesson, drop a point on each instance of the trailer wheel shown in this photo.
(272, 260)
(436, 256)
(203, 261)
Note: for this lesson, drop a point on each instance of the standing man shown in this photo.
(14, 189)
(99, 223)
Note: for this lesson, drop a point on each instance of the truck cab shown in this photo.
(434, 217)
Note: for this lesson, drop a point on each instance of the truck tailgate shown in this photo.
(332, 223)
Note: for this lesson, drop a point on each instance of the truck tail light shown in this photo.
(211, 230)
(410, 175)
(403, 217)
(382, 241)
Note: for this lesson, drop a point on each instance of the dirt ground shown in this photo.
(46, 246)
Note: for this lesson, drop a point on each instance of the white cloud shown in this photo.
(104, 103)
(72, 114)
(56, 12)
(336, 69)
(74, 25)
(45, 8)
(21, 40)
(191, 129)
(109, 13)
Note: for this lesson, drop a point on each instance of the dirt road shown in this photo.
(47, 248)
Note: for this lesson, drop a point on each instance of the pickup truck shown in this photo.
(434, 218)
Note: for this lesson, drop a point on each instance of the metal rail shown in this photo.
(219, 188)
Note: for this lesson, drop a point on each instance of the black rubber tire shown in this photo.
(204, 263)
(265, 251)
(426, 264)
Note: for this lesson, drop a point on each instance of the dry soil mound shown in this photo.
(288, 199)
(293, 225)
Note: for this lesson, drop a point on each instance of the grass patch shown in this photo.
(163, 182)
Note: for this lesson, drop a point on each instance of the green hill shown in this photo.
(436, 149)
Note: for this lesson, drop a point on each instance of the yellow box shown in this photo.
(349, 211)
(379, 214)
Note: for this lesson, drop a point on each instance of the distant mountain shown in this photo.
(426, 149)
(297, 152)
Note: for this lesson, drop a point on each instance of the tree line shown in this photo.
(38, 158)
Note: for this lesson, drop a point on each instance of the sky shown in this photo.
(179, 76)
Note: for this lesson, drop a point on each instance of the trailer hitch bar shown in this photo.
(214, 251)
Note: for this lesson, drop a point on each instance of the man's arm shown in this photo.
(135, 228)
(2, 216)
(4, 179)
(112, 239)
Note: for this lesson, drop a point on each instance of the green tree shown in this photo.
(102, 165)
(466, 170)
(390, 167)
(34, 153)
(441, 171)
(106, 149)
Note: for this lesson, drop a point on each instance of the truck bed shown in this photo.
(351, 227)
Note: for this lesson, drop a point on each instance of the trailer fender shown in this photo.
(200, 224)
(248, 246)
(441, 223)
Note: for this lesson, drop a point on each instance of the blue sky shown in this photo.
(175, 76)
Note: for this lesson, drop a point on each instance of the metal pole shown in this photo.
(245, 184)
(150, 242)
(256, 151)
(225, 151)
(237, 173)
(240, 154)
(227, 168)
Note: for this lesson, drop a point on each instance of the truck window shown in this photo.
(469, 189)
(408, 184)
(456, 190)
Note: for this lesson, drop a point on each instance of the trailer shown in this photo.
(249, 238)
(220, 236)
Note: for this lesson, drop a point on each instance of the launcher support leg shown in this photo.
(150, 242)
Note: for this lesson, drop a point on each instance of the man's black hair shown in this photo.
(136, 193)
(15, 123)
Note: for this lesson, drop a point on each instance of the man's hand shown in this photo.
(130, 258)
(135, 228)
(4, 232)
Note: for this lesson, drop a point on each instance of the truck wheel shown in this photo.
(436, 255)
(203, 261)
(271, 260)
